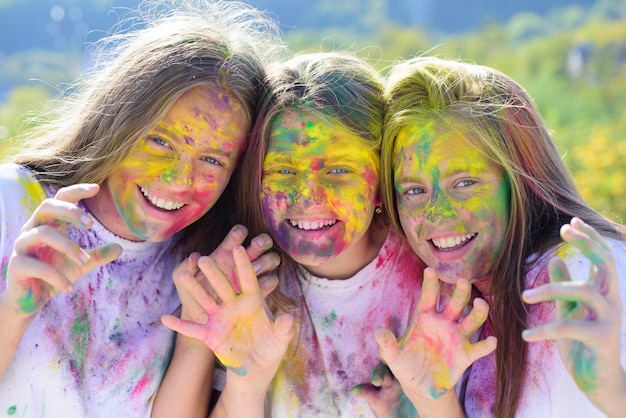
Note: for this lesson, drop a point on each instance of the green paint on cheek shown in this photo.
(12, 410)
(27, 304)
(168, 176)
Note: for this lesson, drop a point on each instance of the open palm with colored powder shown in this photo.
(432, 355)
(239, 329)
(222, 259)
(588, 322)
(45, 262)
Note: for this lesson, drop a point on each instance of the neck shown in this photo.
(354, 258)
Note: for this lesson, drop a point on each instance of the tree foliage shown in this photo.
(572, 61)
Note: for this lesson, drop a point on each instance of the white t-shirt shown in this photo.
(337, 347)
(548, 390)
(100, 350)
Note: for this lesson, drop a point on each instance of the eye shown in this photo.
(212, 161)
(414, 191)
(465, 183)
(338, 170)
(160, 141)
(285, 171)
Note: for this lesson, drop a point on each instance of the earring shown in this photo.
(378, 210)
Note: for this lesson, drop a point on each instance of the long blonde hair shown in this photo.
(172, 47)
(508, 129)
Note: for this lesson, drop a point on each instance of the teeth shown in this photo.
(450, 242)
(162, 203)
(311, 225)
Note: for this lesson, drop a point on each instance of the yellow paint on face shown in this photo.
(178, 171)
(319, 188)
(449, 193)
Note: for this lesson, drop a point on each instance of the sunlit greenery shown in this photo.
(585, 108)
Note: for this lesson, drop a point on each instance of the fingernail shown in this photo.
(238, 232)
(526, 333)
(70, 288)
(257, 267)
(258, 242)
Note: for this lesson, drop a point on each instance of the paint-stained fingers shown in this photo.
(219, 282)
(58, 213)
(602, 273)
(587, 332)
(63, 208)
(247, 277)
(380, 374)
(77, 192)
(429, 292)
(577, 292)
(186, 328)
(192, 263)
(265, 263)
(474, 320)
(593, 234)
(202, 298)
(284, 328)
(258, 246)
(268, 283)
(23, 269)
(388, 348)
(459, 300)
(45, 236)
(235, 236)
(102, 255)
(482, 348)
(596, 250)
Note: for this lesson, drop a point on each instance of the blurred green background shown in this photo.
(570, 56)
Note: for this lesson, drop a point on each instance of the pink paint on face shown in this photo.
(452, 201)
(177, 172)
(319, 191)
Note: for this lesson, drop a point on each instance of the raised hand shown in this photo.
(239, 329)
(384, 395)
(45, 261)
(588, 322)
(222, 259)
(432, 355)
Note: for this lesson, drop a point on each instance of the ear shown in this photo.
(377, 199)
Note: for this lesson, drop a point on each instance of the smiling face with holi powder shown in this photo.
(319, 192)
(452, 201)
(176, 172)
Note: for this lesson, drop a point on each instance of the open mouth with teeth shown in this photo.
(452, 243)
(161, 204)
(312, 225)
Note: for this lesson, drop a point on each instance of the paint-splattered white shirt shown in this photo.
(95, 352)
(337, 348)
(549, 390)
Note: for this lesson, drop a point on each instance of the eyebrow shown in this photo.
(179, 138)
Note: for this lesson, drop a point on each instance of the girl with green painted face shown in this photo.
(96, 207)
(314, 182)
(474, 182)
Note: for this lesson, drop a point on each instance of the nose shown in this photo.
(439, 207)
(307, 192)
(180, 175)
